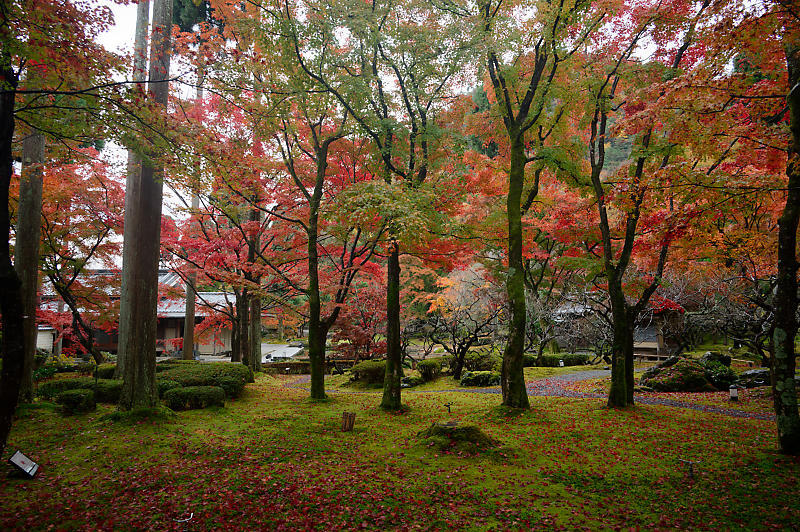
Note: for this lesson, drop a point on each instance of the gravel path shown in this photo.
(554, 387)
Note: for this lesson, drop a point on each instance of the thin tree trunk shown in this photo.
(10, 291)
(191, 300)
(512, 381)
(143, 235)
(391, 383)
(26, 251)
(189, 316)
(134, 162)
(317, 332)
(243, 328)
(785, 330)
(255, 333)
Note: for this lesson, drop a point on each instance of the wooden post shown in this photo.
(348, 420)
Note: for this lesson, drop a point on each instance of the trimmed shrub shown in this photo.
(447, 363)
(106, 371)
(480, 378)
(50, 389)
(529, 360)
(295, 368)
(430, 368)
(369, 371)
(107, 390)
(457, 438)
(232, 386)
(41, 357)
(44, 372)
(481, 361)
(164, 385)
(191, 373)
(193, 397)
(411, 381)
(164, 365)
(570, 359)
(76, 401)
(683, 376)
(720, 376)
(86, 368)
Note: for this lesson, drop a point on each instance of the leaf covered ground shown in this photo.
(272, 459)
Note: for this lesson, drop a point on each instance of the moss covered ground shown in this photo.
(272, 459)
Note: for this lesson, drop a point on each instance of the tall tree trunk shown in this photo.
(243, 327)
(317, 330)
(618, 395)
(134, 162)
(143, 235)
(784, 359)
(10, 291)
(394, 356)
(513, 378)
(235, 350)
(26, 252)
(191, 300)
(255, 333)
(191, 296)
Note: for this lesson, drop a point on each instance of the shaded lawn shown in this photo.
(273, 459)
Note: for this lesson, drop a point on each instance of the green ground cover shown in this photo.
(272, 459)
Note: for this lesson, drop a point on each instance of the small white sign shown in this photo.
(23, 463)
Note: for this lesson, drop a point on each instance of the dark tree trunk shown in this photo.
(785, 329)
(394, 355)
(255, 333)
(143, 235)
(188, 324)
(235, 350)
(26, 251)
(513, 379)
(243, 328)
(10, 292)
(623, 335)
(134, 161)
(191, 295)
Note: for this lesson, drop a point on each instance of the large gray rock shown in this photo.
(714, 356)
(754, 378)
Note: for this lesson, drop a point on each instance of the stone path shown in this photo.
(554, 387)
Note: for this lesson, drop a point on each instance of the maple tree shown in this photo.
(52, 45)
(465, 309)
(522, 98)
(81, 222)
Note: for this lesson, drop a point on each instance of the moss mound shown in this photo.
(454, 437)
(684, 375)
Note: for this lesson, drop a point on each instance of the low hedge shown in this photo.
(50, 389)
(480, 378)
(411, 381)
(193, 397)
(170, 363)
(105, 390)
(430, 368)
(481, 361)
(369, 371)
(295, 368)
(76, 401)
(230, 377)
(106, 371)
(164, 385)
(570, 359)
(720, 375)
